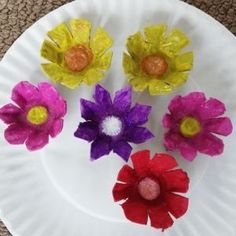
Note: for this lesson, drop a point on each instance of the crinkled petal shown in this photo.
(92, 76)
(16, 134)
(127, 175)
(162, 162)
(141, 162)
(211, 108)
(61, 36)
(176, 181)
(138, 82)
(103, 62)
(120, 191)
(80, 29)
(172, 44)
(102, 96)
(135, 211)
(138, 115)
(176, 79)
(189, 152)
(159, 87)
(99, 148)
(177, 205)
(167, 121)
(122, 100)
(89, 110)
(87, 131)
(138, 135)
(160, 218)
(123, 149)
(222, 126)
(10, 113)
(36, 141)
(56, 128)
(209, 144)
(57, 74)
(184, 62)
(24, 93)
(100, 42)
(129, 65)
(172, 140)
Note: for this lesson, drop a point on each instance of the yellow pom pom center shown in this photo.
(154, 65)
(190, 127)
(37, 115)
(77, 58)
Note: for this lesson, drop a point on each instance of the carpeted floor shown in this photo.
(18, 15)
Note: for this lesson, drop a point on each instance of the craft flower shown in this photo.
(191, 122)
(38, 113)
(155, 61)
(149, 189)
(75, 55)
(111, 125)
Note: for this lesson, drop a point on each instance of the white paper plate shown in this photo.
(58, 191)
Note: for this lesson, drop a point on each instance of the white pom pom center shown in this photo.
(111, 126)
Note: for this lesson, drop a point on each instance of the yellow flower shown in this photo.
(75, 55)
(154, 60)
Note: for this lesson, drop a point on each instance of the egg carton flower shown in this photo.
(192, 122)
(112, 125)
(37, 114)
(149, 190)
(155, 60)
(76, 56)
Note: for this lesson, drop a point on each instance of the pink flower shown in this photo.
(37, 114)
(192, 122)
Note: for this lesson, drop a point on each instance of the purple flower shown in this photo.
(192, 122)
(111, 125)
(37, 114)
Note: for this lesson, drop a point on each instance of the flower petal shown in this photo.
(160, 218)
(211, 108)
(138, 82)
(176, 181)
(99, 148)
(187, 151)
(162, 162)
(24, 93)
(135, 211)
(102, 96)
(176, 79)
(172, 140)
(122, 100)
(159, 87)
(129, 65)
(36, 141)
(184, 62)
(87, 131)
(209, 144)
(89, 110)
(92, 76)
(138, 135)
(16, 134)
(177, 205)
(222, 126)
(141, 162)
(123, 149)
(80, 29)
(120, 191)
(61, 36)
(138, 115)
(9, 113)
(103, 62)
(56, 128)
(127, 175)
(167, 121)
(100, 42)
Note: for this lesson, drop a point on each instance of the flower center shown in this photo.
(149, 189)
(189, 127)
(111, 126)
(78, 57)
(37, 115)
(155, 65)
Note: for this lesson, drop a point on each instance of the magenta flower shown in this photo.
(192, 122)
(111, 125)
(37, 114)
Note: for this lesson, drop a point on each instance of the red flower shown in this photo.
(148, 189)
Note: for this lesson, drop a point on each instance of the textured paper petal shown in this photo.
(123, 149)
(93, 76)
(184, 62)
(80, 29)
(172, 140)
(189, 152)
(159, 87)
(56, 128)
(167, 121)
(100, 42)
(120, 191)
(138, 115)
(127, 175)
(99, 148)
(177, 205)
(36, 141)
(176, 79)
(103, 62)
(139, 135)
(141, 162)
(61, 36)
(89, 110)
(129, 65)
(10, 113)
(102, 96)
(138, 83)
(87, 131)
(122, 100)
(135, 211)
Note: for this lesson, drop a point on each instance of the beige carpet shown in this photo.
(17, 15)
